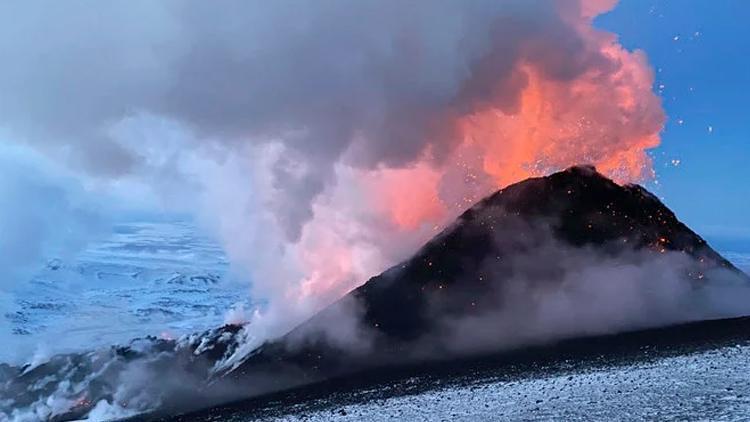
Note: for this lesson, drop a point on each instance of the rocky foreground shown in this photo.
(686, 372)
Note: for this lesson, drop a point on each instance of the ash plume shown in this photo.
(324, 141)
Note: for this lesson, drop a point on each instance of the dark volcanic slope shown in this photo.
(578, 210)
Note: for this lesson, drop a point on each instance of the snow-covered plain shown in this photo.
(709, 385)
(146, 278)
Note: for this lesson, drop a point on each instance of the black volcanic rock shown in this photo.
(459, 272)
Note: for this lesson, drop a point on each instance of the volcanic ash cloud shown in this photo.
(325, 141)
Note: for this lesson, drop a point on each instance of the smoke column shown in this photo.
(324, 141)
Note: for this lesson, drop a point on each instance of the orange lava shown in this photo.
(409, 196)
(607, 116)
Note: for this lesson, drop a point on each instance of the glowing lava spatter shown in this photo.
(606, 115)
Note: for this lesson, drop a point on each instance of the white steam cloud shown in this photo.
(45, 214)
(323, 141)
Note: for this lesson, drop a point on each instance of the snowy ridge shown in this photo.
(160, 279)
(149, 281)
(114, 382)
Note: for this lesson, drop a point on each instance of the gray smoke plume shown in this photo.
(371, 82)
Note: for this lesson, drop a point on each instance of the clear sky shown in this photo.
(701, 52)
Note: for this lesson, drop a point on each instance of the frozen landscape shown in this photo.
(148, 278)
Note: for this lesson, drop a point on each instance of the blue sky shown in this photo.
(701, 52)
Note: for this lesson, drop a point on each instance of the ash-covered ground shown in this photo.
(703, 386)
(647, 381)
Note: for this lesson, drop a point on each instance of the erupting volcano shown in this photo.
(367, 176)
(381, 184)
(568, 255)
(560, 256)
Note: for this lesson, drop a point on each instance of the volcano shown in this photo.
(481, 285)
(572, 255)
